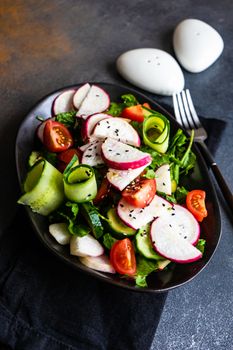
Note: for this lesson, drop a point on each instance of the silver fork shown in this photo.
(187, 117)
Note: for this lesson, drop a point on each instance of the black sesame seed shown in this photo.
(110, 150)
(163, 184)
(130, 215)
(173, 214)
(118, 154)
(170, 225)
(108, 127)
(107, 122)
(131, 210)
(163, 204)
(126, 150)
(121, 205)
(185, 237)
(134, 218)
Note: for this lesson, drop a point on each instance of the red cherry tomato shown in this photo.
(195, 201)
(102, 191)
(140, 192)
(65, 157)
(134, 113)
(122, 257)
(56, 137)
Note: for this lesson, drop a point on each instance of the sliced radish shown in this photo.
(123, 157)
(163, 179)
(118, 129)
(99, 263)
(80, 94)
(63, 102)
(86, 145)
(85, 246)
(122, 178)
(168, 242)
(136, 217)
(90, 123)
(96, 101)
(60, 232)
(185, 222)
(92, 154)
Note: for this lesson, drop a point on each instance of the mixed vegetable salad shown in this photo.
(107, 175)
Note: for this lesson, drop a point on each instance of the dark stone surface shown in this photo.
(49, 44)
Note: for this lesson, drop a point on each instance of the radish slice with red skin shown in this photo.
(137, 217)
(63, 102)
(167, 241)
(122, 178)
(185, 222)
(99, 263)
(80, 94)
(96, 101)
(118, 155)
(118, 129)
(92, 154)
(90, 123)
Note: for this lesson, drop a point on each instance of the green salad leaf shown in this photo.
(67, 118)
(144, 268)
(127, 100)
(109, 240)
(201, 245)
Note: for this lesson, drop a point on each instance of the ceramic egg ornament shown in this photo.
(153, 70)
(197, 45)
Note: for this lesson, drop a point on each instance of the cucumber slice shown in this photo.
(156, 129)
(33, 158)
(117, 226)
(91, 214)
(79, 182)
(43, 187)
(144, 245)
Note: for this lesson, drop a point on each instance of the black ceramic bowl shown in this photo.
(177, 274)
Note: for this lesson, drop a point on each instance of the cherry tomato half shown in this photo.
(102, 191)
(140, 192)
(122, 257)
(195, 201)
(134, 113)
(65, 157)
(56, 137)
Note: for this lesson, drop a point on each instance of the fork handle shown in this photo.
(227, 194)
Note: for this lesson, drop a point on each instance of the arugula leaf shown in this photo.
(144, 268)
(181, 194)
(128, 100)
(158, 159)
(69, 211)
(115, 109)
(201, 245)
(109, 240)
(67, 118)
(170, 198)
(150, 174)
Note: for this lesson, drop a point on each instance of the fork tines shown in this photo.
(184, 110)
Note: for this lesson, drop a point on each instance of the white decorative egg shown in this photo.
(152, 70)
(197, 45)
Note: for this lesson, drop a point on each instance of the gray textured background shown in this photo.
(45, 45)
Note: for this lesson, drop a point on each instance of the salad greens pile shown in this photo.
(87, 217)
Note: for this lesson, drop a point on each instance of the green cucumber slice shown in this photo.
(33, 158)
(91, 214)
(43, 187)
(156, 130)
(117, 226)
(144, 245)
(79, 182)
